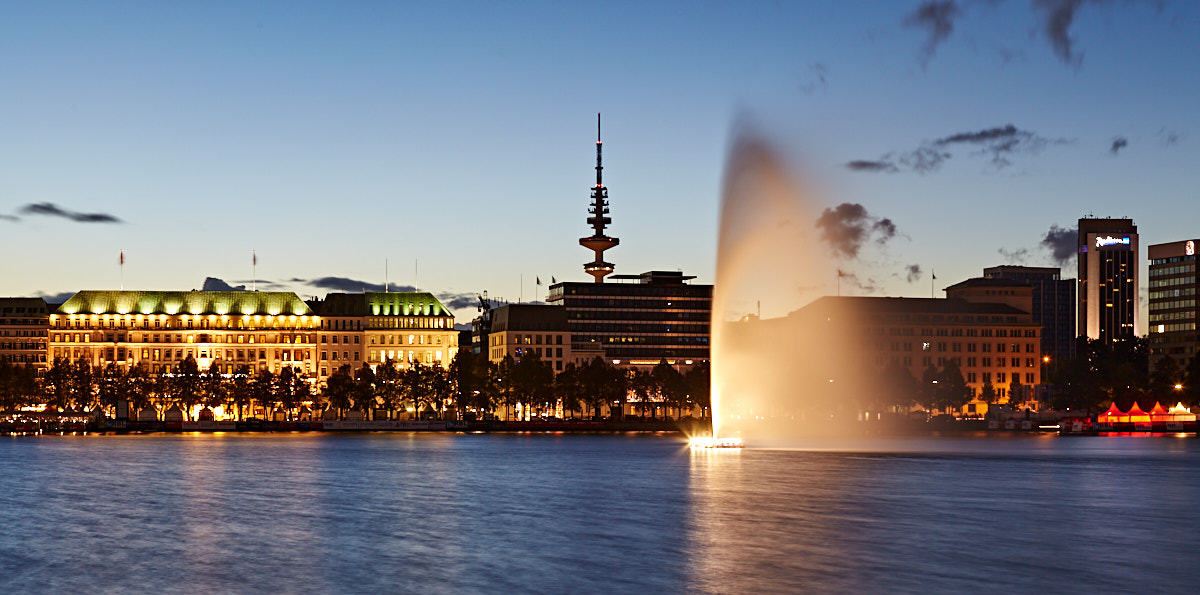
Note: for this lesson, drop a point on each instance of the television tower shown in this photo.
(598, 242)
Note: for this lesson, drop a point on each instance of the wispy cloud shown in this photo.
(936, 18)
(1118, 143)
(50, 209)
(13, 218)
(1000, 143)
(1058, 17)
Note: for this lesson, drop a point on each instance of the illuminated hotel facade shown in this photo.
(266, 331)
(1173, 312)
(1108, 279)
(160, 329)
(376, 326)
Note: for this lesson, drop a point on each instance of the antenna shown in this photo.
(385, 275)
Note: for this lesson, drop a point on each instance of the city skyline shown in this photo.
(336, 141)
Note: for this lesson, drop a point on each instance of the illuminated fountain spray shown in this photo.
(770, 379)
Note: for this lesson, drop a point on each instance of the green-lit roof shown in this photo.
(233, 303)
(379, 303)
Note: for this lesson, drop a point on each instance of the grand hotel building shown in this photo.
(262, 330)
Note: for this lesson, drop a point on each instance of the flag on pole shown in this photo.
(841, 273)
(122, 256)
(553, 280)
(254, 258)
(539, 280)
(934, 276)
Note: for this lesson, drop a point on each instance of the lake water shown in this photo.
(444, 513)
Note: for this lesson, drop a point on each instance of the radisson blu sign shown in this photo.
(1104, 241)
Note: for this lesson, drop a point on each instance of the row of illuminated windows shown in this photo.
(1001, 378)
(1175, 270)
(1175, 327)
(35, 333)
(1170, 293)
(18, 358)
(1172, 282)
(180, 338)
(953, 332)
(956, 347)
(400, 356)
(1156, 306)
(27, 345)
(24, 321)
(186, 322)
(439, 322)
(1186, 315)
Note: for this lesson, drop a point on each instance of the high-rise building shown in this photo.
(1173, 311)
(640, 320)
(1108, 279)
(1053, 305)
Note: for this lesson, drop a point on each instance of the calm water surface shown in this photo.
(303, 513)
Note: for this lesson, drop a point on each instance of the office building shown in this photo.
(24, 331)
(1108, 279)
(1172, 293)
(1053, 306)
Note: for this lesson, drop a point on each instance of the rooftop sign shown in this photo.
(1111, 241)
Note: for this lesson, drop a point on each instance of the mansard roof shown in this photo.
(233, 303)
(380, 303)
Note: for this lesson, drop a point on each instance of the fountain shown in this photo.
(774, 378)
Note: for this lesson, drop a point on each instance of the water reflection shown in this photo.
(537, 513)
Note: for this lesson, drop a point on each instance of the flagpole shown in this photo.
(122, 269)
(254, 270)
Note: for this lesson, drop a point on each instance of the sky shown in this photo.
(450, 146)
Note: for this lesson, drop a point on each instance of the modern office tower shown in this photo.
(598, 242)
(1108, 279)
(24, 326)
(1173, 311)
(1053, 306)
(640, 320)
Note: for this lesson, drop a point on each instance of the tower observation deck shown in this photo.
(598, 242)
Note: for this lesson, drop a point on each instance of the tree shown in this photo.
(263, 391)
(241, 392)
(568, 385)
(364, 390)
(952, 391)
(532, 380)
(1191, 381)
(1166, 375)
(186, 384)
(56, 383)
(389, 385)
(339, 389)
(988, 394)
(284, 387)
(699, 387)
(214, 389)
(1016, 390)
(668, 386)
(927, 391)
(83, 384)
(899, 389)
(641, 383)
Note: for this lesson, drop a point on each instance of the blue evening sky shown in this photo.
(332, 137)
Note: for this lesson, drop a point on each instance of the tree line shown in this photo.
(471, 386)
